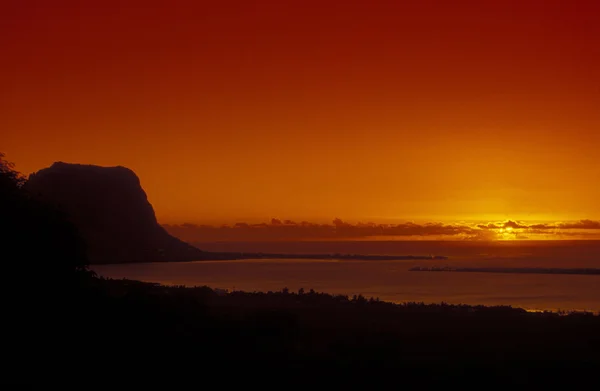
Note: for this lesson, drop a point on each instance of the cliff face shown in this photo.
(112, 213)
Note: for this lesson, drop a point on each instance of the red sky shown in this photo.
(366, 110)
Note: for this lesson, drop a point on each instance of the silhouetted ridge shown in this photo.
(112, 212)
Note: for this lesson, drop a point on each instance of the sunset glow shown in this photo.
(256, 193)
(461, 113)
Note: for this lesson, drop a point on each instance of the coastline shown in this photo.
(234, 256)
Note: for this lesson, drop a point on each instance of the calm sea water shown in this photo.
(391, 280)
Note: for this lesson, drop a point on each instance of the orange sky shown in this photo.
(365, 110)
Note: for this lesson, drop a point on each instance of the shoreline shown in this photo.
(236, 256)
(442, 306)
(509, 270)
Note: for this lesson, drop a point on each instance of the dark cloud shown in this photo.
(290, 230)
(489, 226)
(581, 224)
(338, 229)
(514, 225)
(507, 224)
(542, 226)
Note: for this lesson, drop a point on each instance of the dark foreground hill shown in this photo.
(141, 333)
(111, 211)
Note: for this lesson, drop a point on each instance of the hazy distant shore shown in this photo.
(356, 257)
(517, 270)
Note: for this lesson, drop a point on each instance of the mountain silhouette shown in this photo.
(111, 211)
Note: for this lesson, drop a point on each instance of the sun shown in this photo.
(506, 233)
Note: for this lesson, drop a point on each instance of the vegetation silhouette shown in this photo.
(68, 326)
(45, 270)
(38, 239)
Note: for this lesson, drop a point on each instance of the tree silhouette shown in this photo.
(38, 242)
(10, 179)
(45, 267)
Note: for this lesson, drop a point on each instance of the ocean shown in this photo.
(392, 280)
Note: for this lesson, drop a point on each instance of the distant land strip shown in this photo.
(356, 257)
(517, 270)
